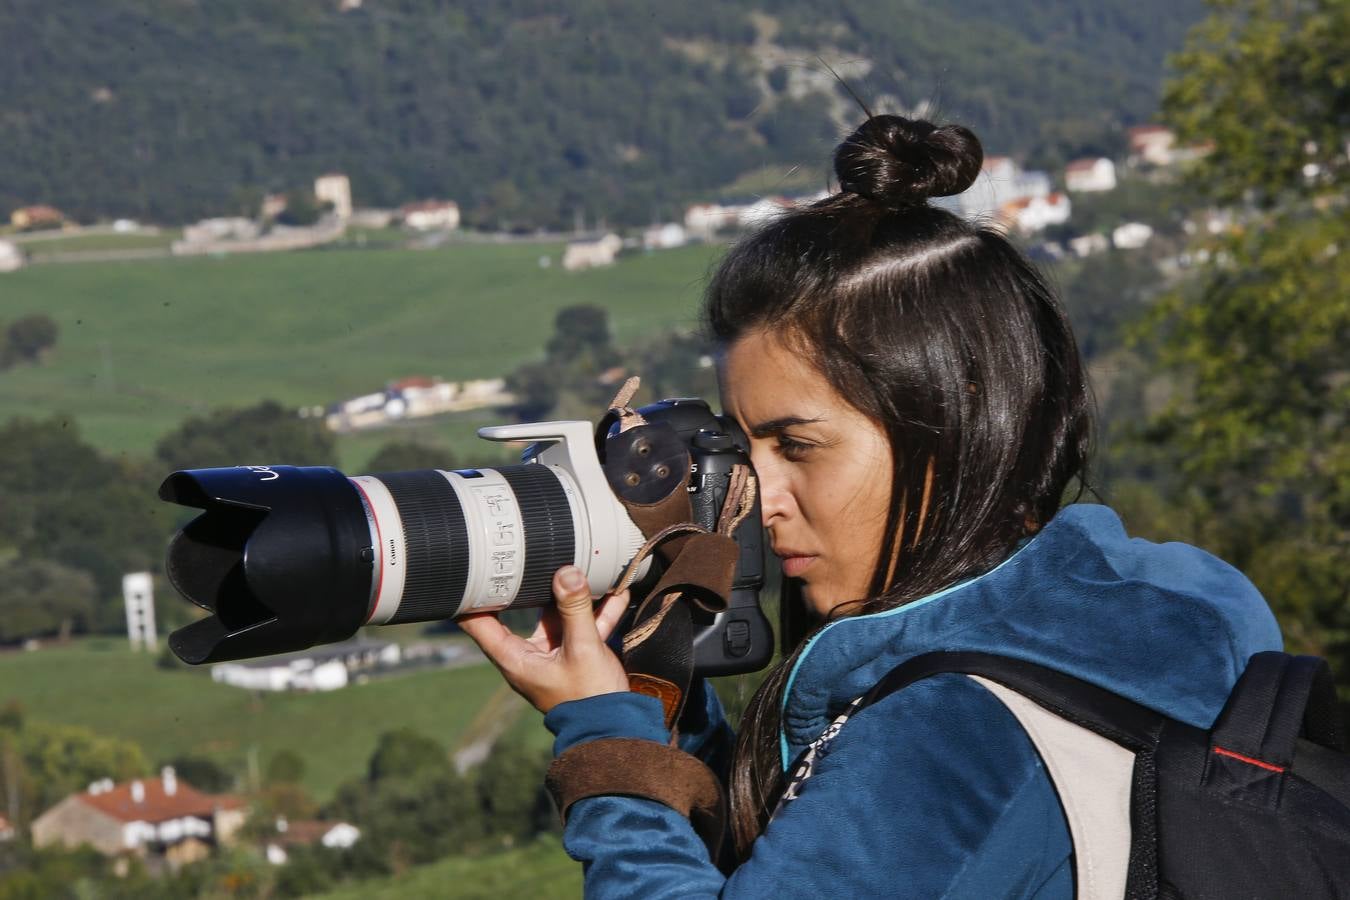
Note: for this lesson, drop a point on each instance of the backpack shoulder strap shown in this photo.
(1089, 740)
(1110, 715)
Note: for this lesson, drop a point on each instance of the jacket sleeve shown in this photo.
(934, 791)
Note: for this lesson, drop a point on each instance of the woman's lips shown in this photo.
(794, 566)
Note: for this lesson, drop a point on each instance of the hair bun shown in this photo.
(897, 162)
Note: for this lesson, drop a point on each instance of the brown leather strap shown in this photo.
(669, 693)
(631, 767)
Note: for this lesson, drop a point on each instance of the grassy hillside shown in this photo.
(98, 684)
(144, 345)
(541, 871)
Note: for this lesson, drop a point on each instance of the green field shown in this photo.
(541, 871)
(98, 684)
(145, 344)
(59, 244)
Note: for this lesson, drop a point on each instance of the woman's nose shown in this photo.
(775, 500)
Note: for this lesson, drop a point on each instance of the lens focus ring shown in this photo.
(436, 542)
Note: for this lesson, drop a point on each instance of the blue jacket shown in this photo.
(936, 791)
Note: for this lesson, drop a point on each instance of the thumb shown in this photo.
(573, 596)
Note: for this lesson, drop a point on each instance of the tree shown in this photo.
(265, 433)
(1257, 433)
(285, 767)
(403, 753)
(57, 760)
(403, 456)
(1266, 84)
(511, 791)
(302, 208)
(39, 597)
(581, 338)
(27, 339)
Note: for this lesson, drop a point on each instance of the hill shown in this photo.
(98, 684)
(144, 345)
(540, 870)
(525, 114)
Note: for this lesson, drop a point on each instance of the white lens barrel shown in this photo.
(511, 527)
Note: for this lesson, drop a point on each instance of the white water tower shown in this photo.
(138, 589)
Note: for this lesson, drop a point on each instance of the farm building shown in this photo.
(325, 668)
(161, 818)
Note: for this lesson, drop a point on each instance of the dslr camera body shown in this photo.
(286, 557)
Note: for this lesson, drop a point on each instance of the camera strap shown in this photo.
(648, 467)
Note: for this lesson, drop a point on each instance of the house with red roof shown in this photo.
(153, 817)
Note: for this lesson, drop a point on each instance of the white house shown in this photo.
(335, 188)
(1152, 144)
(1000, 182)
(1030, 214)
(11, 257)
(706, 219)
(664, 237)
(764, 211)
(1086, 175)
(1131, 236)
(307, 833)
(219, 229)
(592, 253)
(430, 214)
(1088, 244)
(325, 668)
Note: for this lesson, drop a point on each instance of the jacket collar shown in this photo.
(1081, 597)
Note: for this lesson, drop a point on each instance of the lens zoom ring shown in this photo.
(550, 541)
(436, 540)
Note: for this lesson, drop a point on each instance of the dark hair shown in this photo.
(944, 334)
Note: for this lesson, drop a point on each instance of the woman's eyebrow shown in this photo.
(773, 426)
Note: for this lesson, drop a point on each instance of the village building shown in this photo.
(160, 819)
(1151, 144)
(7, 831)
(308, 833)
(32, 218)
(1000, 182)
(664, 237)
(335, 188)
(224, 228)
(273, 205)
(325, 668)
(1131, 236)
(764, 211)
(703, 220)
(591, 254)
(1088, 244)
(11, 257)
(430, 214)
(1032, 214)
(1088, 175)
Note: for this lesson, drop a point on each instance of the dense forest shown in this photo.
(531, 113)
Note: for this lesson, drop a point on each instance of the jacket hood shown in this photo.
(1166, 625)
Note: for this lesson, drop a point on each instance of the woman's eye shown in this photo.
(790, 449)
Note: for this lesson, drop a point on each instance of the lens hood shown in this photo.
(281, 557)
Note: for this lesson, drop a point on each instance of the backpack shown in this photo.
(1256, 807)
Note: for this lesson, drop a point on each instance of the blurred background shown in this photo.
(351, 232)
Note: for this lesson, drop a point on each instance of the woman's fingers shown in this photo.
(572, 595)
(611, 611)
(493, 638)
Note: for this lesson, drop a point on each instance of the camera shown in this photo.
(286, 557)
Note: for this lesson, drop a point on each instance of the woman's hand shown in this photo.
(566, 658)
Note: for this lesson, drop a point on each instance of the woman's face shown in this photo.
(824, 468)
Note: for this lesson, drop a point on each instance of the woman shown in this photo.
(917, 411)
